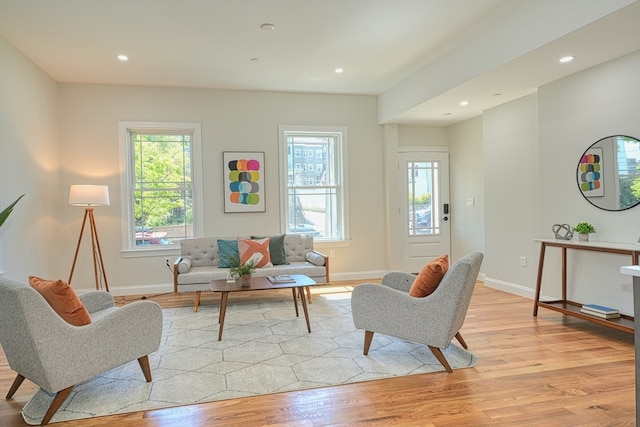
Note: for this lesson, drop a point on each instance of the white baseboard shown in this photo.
(356, 275)
(514, 288)
(162, 288)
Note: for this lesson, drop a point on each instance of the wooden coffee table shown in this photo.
(262, 284)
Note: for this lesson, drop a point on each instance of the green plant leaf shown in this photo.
(5, 213)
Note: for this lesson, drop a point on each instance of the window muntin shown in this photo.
(162, 183)
(422, 179)
(315, 192)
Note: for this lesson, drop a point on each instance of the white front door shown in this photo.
(424, 208)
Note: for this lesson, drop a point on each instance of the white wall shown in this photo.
(466, 170)
(510, 217)
(531, 150)
(526, 181)
(574, 113)
(231, 120)
(30, 165)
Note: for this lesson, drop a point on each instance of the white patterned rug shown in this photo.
(264, 349)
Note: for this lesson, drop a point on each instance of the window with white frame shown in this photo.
(315, 195)
(161, 197)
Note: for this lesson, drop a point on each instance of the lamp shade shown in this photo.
(89, 195)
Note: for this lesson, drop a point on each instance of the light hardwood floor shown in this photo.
(546, 371)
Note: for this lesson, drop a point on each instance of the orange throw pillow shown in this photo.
(256, 249)
(61, 297)
(429, 277)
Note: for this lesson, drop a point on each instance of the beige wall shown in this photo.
(29, 164)
(230, 120)
(517, 161)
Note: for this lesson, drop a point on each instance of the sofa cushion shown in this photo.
(64, 301)
(228, 252)
(429, 277)
(276, 249)
(255, 250)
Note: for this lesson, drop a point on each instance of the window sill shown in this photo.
(160, 250)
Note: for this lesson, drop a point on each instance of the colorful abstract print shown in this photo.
(244, 181)
(590, 175)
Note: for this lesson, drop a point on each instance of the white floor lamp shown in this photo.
(89, 196)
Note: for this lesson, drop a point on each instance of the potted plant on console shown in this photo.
(584, 229)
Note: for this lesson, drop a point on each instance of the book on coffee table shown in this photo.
(282, 278)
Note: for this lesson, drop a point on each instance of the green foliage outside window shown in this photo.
(162, 187)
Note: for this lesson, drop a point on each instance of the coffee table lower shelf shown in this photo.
(570, 308)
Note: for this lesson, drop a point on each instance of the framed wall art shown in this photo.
(243, 181)
(590, 178)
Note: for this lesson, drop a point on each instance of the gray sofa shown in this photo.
(199, 262)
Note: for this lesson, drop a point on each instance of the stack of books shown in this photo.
(600, 311)
(282, 278)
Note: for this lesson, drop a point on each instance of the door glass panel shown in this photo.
(422, 178)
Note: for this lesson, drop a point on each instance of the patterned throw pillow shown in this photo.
(257, 250)
(64, 301)
(429, 278)
(228, 252)
(276, 249)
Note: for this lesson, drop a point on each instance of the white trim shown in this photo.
(421, 149)
(128, 248)
(342, 170)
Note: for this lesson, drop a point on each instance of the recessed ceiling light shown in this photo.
(447, 114)
(339, 70)
(464, 103)
(267, 27)
(566, 59)
(123, 58)
(497, 94)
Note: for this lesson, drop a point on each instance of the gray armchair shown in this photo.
(43, 348)
(433, 320)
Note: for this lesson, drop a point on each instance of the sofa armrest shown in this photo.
(96, 300)
(176, 263)
(319, 259)
(399, 280)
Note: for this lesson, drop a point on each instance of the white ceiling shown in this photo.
(386, 47)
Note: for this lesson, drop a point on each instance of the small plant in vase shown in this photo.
(584, 229)
(241, 273)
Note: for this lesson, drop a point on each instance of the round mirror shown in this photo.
(609, 173)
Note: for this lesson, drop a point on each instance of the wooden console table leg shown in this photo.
(564, 274)
(539, 279)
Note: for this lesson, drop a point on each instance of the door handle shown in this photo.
(445, 210)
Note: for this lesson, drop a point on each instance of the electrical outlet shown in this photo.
(523, 261)
(167, 261)
(332, 253)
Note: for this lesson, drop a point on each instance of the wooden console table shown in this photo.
(572, 308)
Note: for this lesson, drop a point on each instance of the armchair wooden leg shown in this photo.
(196, 302)
(368, 337)
(144, 365)
(438, 353)
(14, 387)
(461, 341)
(61, 396)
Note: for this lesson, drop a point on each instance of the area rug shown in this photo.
(265, 348)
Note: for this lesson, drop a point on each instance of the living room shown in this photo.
(517, 161)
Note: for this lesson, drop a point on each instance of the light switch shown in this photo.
(471, 202)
